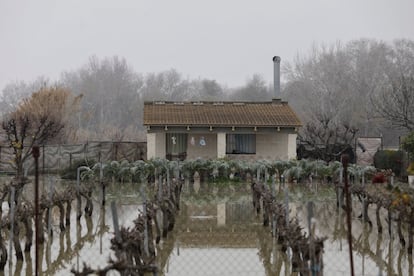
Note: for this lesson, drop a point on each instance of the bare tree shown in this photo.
(166, 85)
(320, 88)
(171, 86)
(255, 89)
(369, 64)
(37, 120)
(111, 90)
(347, 90)
(395, 102)
(210, 90)
(15, 91)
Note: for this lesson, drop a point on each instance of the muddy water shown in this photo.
(211, 241)
(218, 234)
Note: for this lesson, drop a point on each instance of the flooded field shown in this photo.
(217, 233)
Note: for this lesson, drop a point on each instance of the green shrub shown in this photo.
(408, 145)
(410, 169)
(389, 159)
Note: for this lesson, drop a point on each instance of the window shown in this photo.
(176, 146)
(240, 143)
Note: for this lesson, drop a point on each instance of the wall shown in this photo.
(160, 151)
(272, 146)
(221, 144)
(292, 154)
(151, 145)
(195, 150)
(156, 145)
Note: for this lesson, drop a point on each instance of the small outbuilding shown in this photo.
(209, 130)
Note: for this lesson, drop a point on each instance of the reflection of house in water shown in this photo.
(224, 225)
(223, 239)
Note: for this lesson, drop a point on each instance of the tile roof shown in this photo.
(269, 114)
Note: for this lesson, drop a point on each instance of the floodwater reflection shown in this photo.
(218, 235)
(209, 242)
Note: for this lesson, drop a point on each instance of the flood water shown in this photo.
(217, 233)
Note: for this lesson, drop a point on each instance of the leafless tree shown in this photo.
(338, 90)
(166, 85)
(255, 89)
(37, 120)
(16, 91)
(321, 90)
(395, 102)
(111, 96)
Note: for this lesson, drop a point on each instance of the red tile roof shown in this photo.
(267, 114)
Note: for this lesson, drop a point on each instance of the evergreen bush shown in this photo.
(389, 159)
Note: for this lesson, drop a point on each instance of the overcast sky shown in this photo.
(225, 40)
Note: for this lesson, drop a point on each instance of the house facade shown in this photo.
(209, 130)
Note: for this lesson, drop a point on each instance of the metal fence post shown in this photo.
(43, 159)
(345, 162)
(36, 154)
(12, 212)
(116, 222)
(144, 212)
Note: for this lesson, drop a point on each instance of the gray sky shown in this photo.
(225, 40)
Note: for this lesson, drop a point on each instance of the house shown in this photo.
(236, 130)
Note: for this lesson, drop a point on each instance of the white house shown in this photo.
(238, 130)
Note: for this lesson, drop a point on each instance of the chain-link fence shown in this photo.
(215, 230)
(54, 158)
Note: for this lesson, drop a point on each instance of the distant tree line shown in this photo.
(340, 91)
(362, 88)
(114, 94)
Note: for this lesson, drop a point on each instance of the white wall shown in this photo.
(292, 146)
(155, 145)
(151, 145)
(161, 145)
(221, 145)
(272, 146)
(209, 151)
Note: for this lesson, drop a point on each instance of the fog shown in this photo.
(227, 41)
(339, 60)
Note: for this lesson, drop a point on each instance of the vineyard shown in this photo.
(161, 184)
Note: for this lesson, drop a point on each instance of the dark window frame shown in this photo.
(240, 143)
(178, 150)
